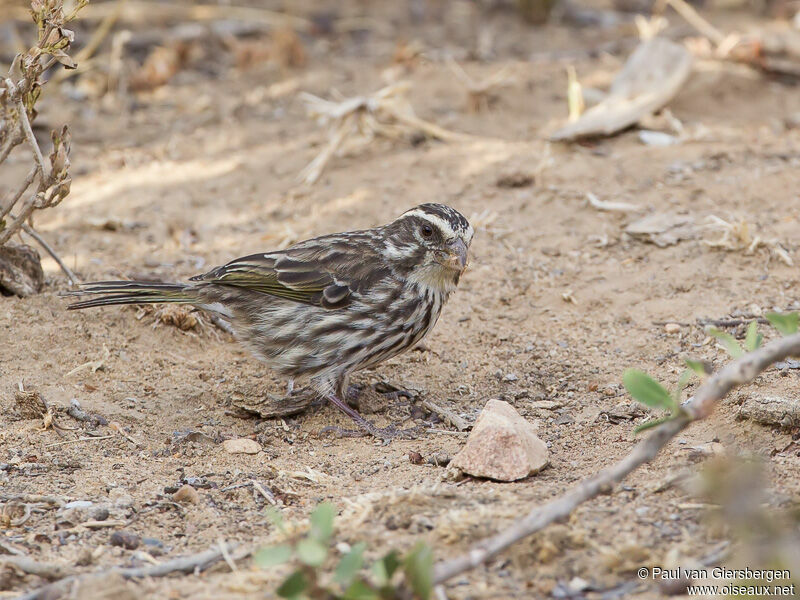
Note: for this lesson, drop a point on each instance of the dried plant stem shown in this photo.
(12, 143)
(186, 564)
(73, 279)
(693, 18)
(5, 208)
(28, 131)
(736, 373)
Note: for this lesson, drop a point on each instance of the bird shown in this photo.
(325, 308)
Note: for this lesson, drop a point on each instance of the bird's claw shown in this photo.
(387, 434)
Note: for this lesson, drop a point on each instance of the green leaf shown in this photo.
(753, 339)
(350, 564)
(653, 423)
(322, 522)
(293, 586)
(385, 568)
(360, 590)
(647, 390)
(786, 323)
(418, 567)
(270, 556)
(728, 341)
(311, 552)
(276, 518)
(698, 366)
(682, 381)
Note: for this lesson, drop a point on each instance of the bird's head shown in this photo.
(429, 244)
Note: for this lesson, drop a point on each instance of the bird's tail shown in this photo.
(131, 292)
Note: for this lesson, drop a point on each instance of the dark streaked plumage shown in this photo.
(329, 306)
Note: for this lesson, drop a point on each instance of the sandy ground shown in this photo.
(557, 303)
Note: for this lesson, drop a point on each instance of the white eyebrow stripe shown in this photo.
(443, 225)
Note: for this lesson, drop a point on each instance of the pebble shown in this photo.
(241, 446)
(502, 445)
(186, 494)
(125, 539)
(672, 328)
(415, 458)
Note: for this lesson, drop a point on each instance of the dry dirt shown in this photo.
(557, 303)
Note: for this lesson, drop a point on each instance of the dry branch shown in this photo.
(700, 406)
(385, 113)
(185, 564)
(653, 74)
(18, 95)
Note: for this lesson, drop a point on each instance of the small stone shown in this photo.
(672, 328)
(241, 446)
(439, 459)
(186, 494)
(99, 513)
(125, 539)
(120, 498)
(415, 458)
(153, 546)
(515, 179)
(502, 445)
(21, 271)
(85, 558)
(510, 377)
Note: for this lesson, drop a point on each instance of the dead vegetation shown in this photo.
(133, 460)
(49, 179)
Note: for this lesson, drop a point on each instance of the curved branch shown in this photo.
(736, 373)
(184, 564)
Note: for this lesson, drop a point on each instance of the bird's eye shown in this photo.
(427, 231)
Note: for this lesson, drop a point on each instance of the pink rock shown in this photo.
(502, 445)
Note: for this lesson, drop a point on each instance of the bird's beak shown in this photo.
(458, 255)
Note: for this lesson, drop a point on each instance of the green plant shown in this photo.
(646, 390)
(319, 575)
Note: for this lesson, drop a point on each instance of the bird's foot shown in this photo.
(387, 434)
(374, 398)
(366, 428)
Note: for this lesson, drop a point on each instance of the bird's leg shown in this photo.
(353, 414)
(367, 428)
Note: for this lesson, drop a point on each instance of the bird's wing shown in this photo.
(324, 271)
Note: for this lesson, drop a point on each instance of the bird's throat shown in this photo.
(435, 277)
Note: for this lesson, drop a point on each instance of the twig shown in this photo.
(736, 373)
(222, 324)
(730, 322)
(49, 249)
(34, 499)
(611, 206)
(268, 495)
(78, 440)
(28, 131)
(186, 564)
(226, 555)
(695, 20)
(448, 415)
(4, 210)
(12, 143)
(94, 42)
(31, 566)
